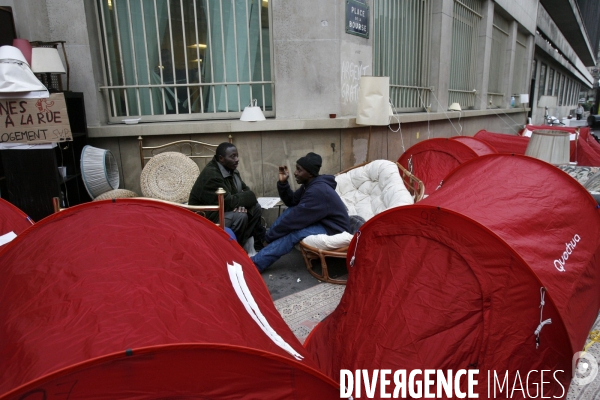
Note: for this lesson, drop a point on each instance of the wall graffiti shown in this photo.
(351, 73)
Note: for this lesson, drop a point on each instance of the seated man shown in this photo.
(242, 211)
(314, 209)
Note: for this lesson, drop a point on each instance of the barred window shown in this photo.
(519, 84)
(463, 63)
(401, 50)
(185, 59)
(550, 82)
(496, 86)
(561, 88)
(542, 86)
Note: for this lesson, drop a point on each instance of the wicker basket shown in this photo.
(169, 176)
(116, 194)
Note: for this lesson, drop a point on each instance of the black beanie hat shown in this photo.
(311, 163)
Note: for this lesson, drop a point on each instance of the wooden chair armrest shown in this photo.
(340, 253)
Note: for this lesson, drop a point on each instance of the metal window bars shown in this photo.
(401, 47)
(185, 59)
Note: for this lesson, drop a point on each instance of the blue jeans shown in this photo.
(280, 247)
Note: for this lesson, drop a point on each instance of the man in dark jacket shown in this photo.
(242, 211)
(314, 209)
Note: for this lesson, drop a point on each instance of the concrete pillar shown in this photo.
(484, 51)
(509, 68)
(441, 52)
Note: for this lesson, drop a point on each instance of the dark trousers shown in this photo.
(245, 225)
(579, 116)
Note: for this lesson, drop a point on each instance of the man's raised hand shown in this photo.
(284, 173)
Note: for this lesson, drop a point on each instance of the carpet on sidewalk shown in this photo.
(302, 311)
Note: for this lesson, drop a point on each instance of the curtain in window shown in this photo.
(186, 56)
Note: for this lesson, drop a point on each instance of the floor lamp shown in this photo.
(373, 103)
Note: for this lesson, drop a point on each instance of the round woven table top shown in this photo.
(116, 194)
(169, 176)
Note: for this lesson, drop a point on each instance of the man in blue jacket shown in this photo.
(313, 209)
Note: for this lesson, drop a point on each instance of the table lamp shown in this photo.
(373, 106)
(46, 61)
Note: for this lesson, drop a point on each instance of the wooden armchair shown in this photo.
(416, 189)
(414, 185)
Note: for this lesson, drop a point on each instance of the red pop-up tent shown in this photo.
(12, 219)
(134, 298)
(585, 150)
(431, 160)
(478, 146)
(464, 279)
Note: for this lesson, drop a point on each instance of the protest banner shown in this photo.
(35, 120)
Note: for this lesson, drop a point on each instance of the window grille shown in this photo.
(519, 84)
(542, 86)
(185, 59)
(496, 87)
(463, 63)
(550, 82)
(560, 88)
(401, 50)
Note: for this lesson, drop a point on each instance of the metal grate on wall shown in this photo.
(496, 85)
(463, 62)
(401, 43)
(185, 59)
(521, 63)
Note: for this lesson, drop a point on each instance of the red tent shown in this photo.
(131, 298)
(456, 281)
(478, 146)
(12, 219)
(431, 160)
(586, 151)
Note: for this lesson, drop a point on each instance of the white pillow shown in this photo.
(375, 187)
(327, 242)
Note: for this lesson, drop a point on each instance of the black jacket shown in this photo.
(314, 203)
(210, 179)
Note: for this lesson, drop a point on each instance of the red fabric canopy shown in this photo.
(586, 151)
(104, 277)
(186, 371)
(478, 146)
(12, 219)
(455, 281)
(431, 160)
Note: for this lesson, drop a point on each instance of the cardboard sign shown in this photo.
(35, 120)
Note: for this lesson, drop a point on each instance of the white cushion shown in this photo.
(326, 242)
(372, 188)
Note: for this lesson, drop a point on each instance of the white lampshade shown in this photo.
(454, 107)
(373, 105)
(550, 146)
(46, 60)
(524, 98)
(252, 113)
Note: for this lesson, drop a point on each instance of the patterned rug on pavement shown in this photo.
(304, 310)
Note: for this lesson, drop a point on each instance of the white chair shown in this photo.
(366, 190)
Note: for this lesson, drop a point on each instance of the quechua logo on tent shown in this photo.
(569, 248)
